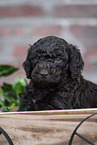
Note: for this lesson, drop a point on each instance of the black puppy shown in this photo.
(54, 69)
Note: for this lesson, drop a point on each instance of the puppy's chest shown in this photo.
(39, 95)
(44, 95)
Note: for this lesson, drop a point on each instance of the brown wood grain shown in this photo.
(48, 127)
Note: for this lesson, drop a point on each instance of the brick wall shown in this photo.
(23, 22)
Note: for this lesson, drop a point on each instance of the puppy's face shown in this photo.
(48, 64)
(51, 60)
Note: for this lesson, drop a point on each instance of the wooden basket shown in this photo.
(48, 127)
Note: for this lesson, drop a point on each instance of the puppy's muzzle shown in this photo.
(43, 69)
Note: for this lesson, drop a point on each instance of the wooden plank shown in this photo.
(48, 127)
(58, 112)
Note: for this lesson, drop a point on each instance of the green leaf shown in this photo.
(4, 109)
(18, 85)
(1, 92)
(8, 94)
(12, 105)
(6, 70)
(10, 98)
(1, 103)
(21, 80)
(2, 95)
(6, 87)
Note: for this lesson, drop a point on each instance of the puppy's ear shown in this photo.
(76, 62)
(27, 65)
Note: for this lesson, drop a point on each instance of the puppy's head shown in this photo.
(51, 59)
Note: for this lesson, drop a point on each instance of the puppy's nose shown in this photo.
(44, 72)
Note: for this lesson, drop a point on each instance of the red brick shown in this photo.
(91, 58)
(47, 30)
(84, 31)
(90, 32)
(0, 47)
(75, 11)
(77, 30)
(5, 31)
(20, 11)
(20, 51)
(92, 52)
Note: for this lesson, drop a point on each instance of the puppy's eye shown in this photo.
(58, 60)
(49, 60)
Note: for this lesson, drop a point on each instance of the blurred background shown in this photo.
(23, 22)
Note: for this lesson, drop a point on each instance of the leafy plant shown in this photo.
(10, 94)
(6, 70)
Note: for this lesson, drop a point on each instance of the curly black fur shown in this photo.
(54, 68)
